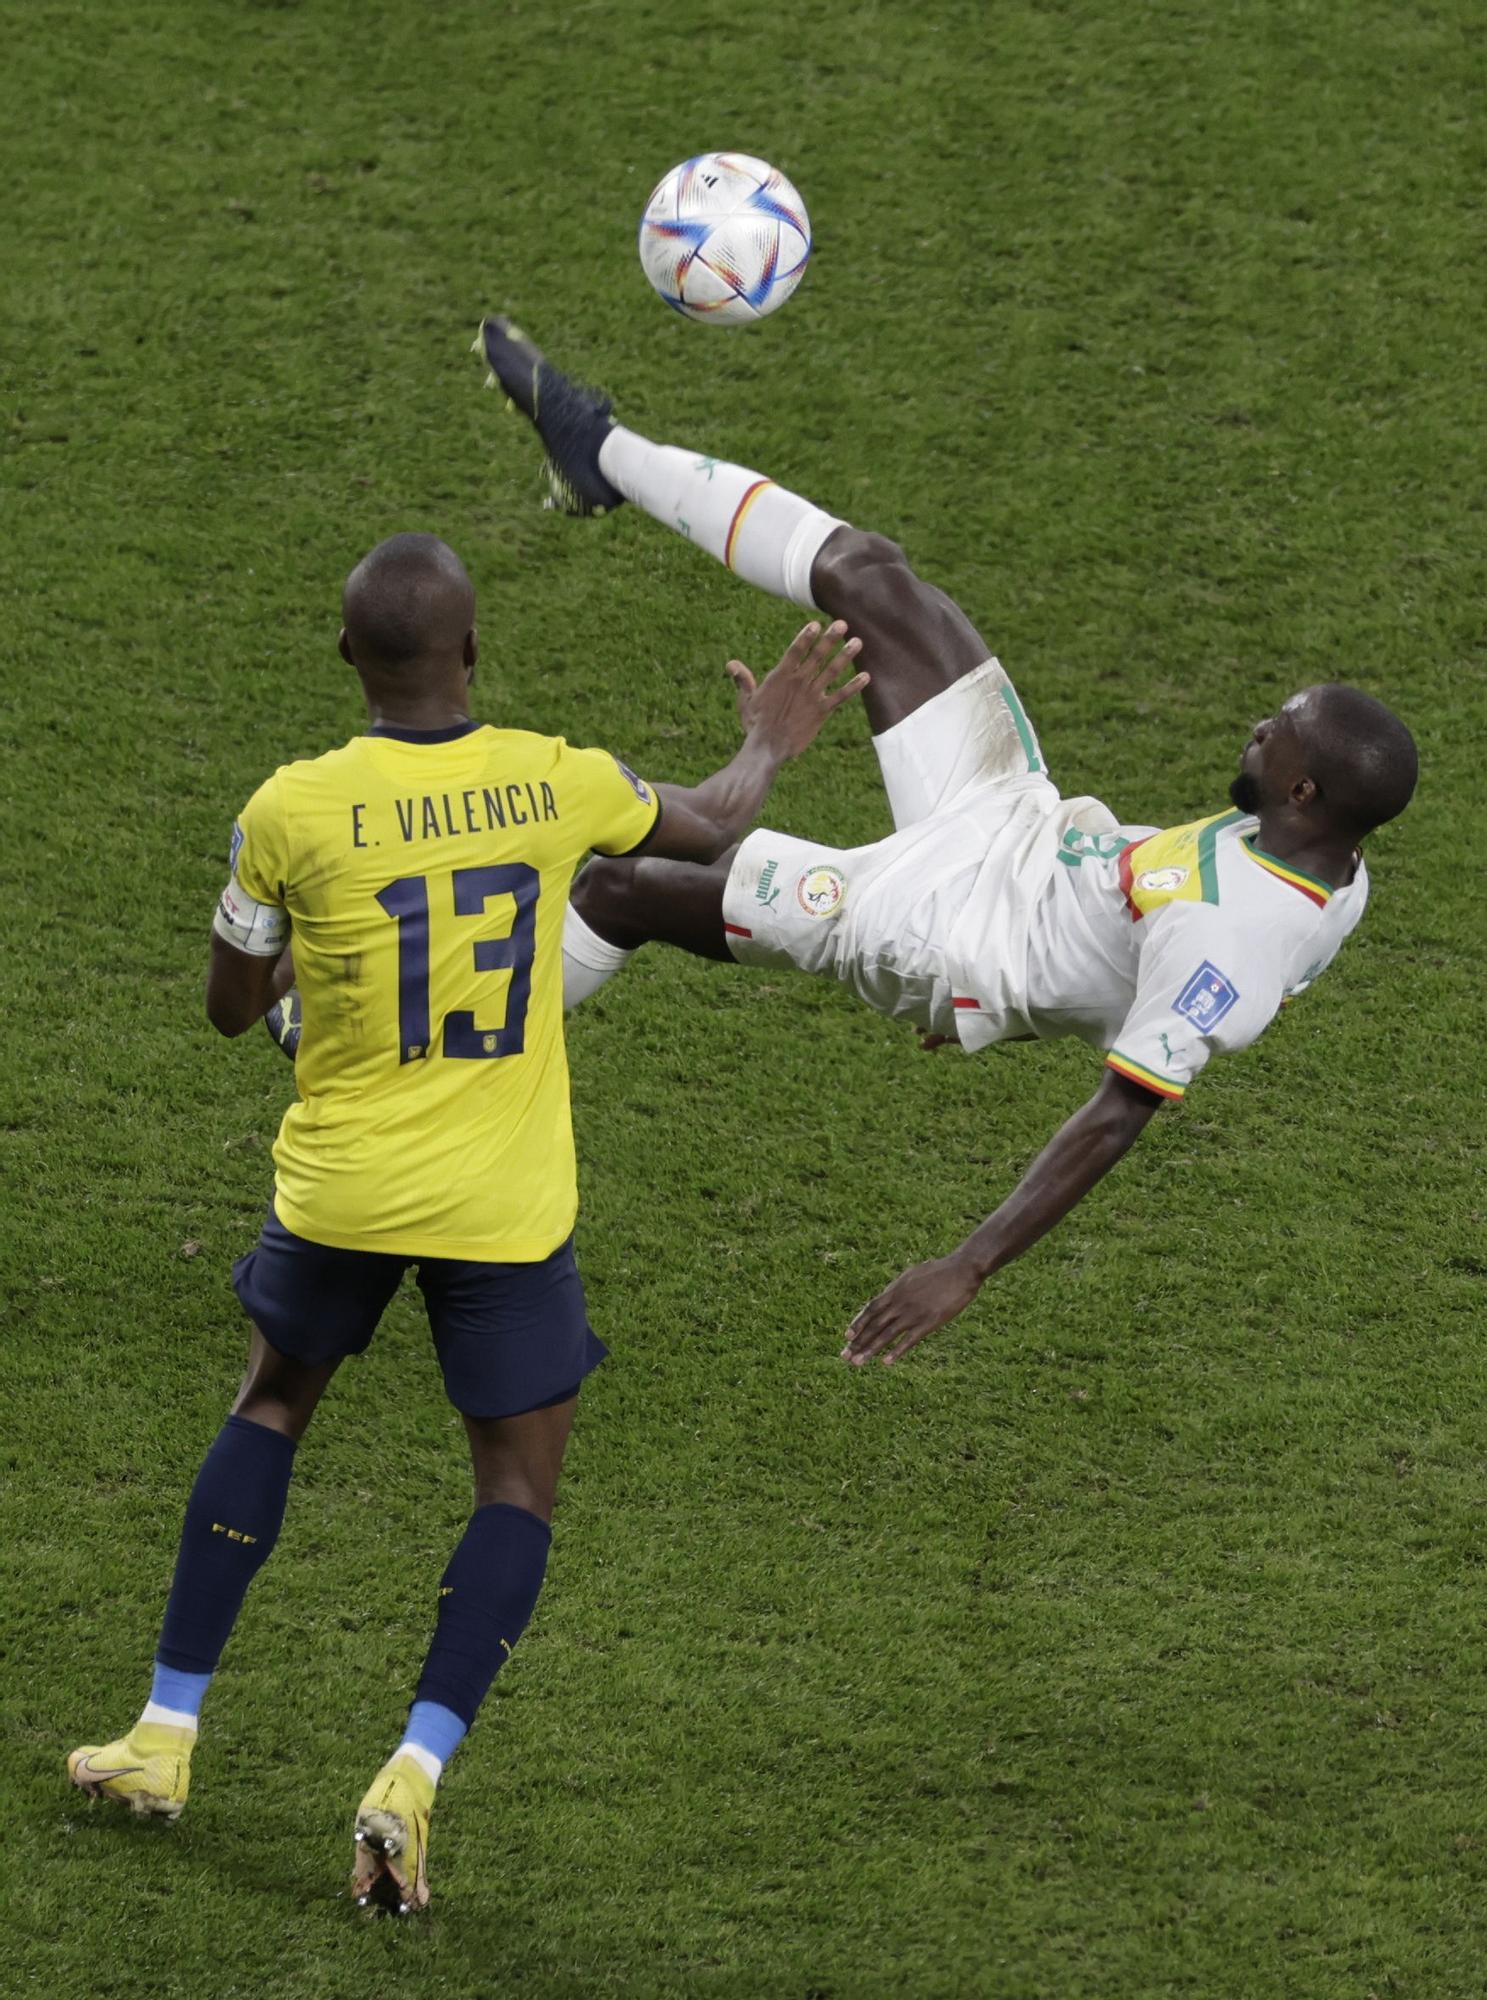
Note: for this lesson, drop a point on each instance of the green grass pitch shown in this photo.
(1127, 1641)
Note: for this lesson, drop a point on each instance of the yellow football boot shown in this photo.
(149, 1770)
(392, 1840)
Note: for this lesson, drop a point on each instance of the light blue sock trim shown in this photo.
(172, 1689)
(434, 1728)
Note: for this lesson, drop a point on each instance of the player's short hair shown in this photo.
(1361, 757)
(409, 600)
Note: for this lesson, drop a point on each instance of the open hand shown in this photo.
(790, 704)
(915, 1304)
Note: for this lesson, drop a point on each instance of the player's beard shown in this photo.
(1245, 792)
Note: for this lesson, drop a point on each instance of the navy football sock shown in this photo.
(232, 1522)
(488, 1593)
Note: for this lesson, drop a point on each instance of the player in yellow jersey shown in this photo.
(414, 883)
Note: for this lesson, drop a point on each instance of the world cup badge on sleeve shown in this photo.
(640, 788)
(1206, 998)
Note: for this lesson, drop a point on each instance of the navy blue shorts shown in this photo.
(510, 1337)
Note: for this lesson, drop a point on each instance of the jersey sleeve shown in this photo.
(1201, 985)
(619, 811)
(251, 911)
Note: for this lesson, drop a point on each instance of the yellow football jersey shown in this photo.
(426, 875)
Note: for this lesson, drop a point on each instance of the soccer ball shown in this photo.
(725, 238)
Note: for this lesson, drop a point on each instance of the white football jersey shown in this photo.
(1156, 945)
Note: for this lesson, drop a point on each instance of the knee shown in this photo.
(275, 1408)
(279, 1392)
(603, 894)
(857, 572)
(514, 1468)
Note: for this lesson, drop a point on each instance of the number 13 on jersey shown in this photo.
(407, 902)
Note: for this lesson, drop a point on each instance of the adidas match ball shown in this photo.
(725, 238)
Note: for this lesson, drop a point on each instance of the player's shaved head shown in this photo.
(1361, 756)
(1334, 753)
(408, 608)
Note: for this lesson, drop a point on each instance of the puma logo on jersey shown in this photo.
(763, 893)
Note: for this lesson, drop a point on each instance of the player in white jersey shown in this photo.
(997, 910)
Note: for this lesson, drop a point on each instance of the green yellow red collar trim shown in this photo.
(1319, 892)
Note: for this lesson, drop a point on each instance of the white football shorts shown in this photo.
(964, 773)
(974, 732)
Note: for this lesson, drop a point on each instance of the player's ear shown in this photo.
(1304, 792)
(471, 651)
(343, 647)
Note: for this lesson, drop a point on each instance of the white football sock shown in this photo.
(588, 959)
(765, 535)
(173, 1718)
(424, 1759)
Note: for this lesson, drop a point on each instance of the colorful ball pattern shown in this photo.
(725, 238)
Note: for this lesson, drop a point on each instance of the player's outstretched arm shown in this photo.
(1079, 1154)
(781, 716)
(243, 985)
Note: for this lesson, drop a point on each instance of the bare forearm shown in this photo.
(721, 809)
(241, 989)
(1080, 1153)
(1076, 1158)
(781, 717)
